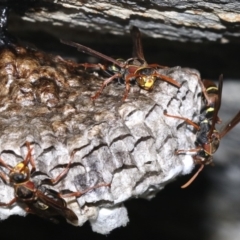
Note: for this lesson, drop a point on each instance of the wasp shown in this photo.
(135, 68)
(208, 138)
(38, 199)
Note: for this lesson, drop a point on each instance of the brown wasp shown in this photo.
(135, 68)
(208, 138)
(37, 199)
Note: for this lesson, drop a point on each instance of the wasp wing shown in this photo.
(137, 44)
(55, 206)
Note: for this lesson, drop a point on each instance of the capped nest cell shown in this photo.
(130, 144)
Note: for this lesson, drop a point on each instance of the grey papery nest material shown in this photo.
(129, 144)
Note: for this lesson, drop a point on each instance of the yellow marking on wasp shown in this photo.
(149, 84)
(114, 68)
(210, 109)
(146, 82)
(212, 88)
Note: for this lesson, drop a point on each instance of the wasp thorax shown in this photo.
(24, 193)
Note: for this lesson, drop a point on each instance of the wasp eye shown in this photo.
(18, 178)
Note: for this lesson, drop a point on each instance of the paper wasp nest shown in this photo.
(129, 144)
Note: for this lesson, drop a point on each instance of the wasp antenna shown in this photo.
(231, 124)
(87, 50)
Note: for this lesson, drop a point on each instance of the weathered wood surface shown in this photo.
(195, 20)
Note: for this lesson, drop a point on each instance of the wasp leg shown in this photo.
(167, 79)
(97, 66)
(188, 121)
(85, 65)
(79, 194)
(127, 85)
(29, 156)
(204, 90)
(209, 100)
(53, 181)
(108, 80)
(194, 150)
(154, 65)
(28, 210)
(9, 203)
(193, 177)
(4, 177)
(5, 165)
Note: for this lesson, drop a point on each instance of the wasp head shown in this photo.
(215, 141)
(146, 82)
(20, 173)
